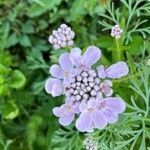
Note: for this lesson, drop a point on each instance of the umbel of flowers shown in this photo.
(88, 91)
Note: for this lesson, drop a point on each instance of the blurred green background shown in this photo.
(26, 119)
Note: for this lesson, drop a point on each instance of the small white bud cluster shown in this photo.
(116, 31)
(62, 37)
(84, 86)
(90, 144)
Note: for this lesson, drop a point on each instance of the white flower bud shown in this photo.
(85, 80)
(91, 84)
(59, 42)
(85, 96)
(97, 80)
(93, 92)
(88, 88)
(68, 37)
(90, 79)
(84, 74)
(72, 34)
(75, 92)
(59, 30)
(70, 43)
(78, 97)
(71, 90)
(63, 44)
(73, 85)
(63, 26)
(79, 78)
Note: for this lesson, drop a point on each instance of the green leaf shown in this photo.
(24, 40)
(105, 41)
(37, 10)
(77, 10)
(12, 40)
(28, 27)
(17, 79)
(3, 69)
(4, 90)
(135, 45)
(10, 110)
(4, 32)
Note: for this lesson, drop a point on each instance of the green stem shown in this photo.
(117, 52)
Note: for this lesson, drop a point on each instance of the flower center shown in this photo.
(84, 86)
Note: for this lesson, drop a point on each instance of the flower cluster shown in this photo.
(90, 144)
(116, 31)
(62, 37)
(88, 91)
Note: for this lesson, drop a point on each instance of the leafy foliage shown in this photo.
(26, 119)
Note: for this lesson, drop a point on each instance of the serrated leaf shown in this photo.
(17, 79)
(28, 27)
(24, 40)
(37, 10)
(12, 40)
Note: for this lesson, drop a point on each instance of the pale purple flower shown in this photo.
(87, 90)
(90, 117)
(66, 112)
(62, 37)
(105, 88)
(116, 31)
(65, 71)
(98, 113)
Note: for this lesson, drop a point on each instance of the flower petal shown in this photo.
(101, 71)
(56, 71)
(84, 123)
(57, 89)
(91, 55)
(116, 104)
(67, 80)
(99, 119)
(49, 85)
(117, 70)
(57, 111)
(65, 62)
(75, 56)
(66, 119)
(111, 116)
(83, 106)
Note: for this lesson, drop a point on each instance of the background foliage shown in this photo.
(26, 120)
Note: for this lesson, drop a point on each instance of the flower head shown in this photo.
(116, 31)
(62, 37)
(86, 89)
